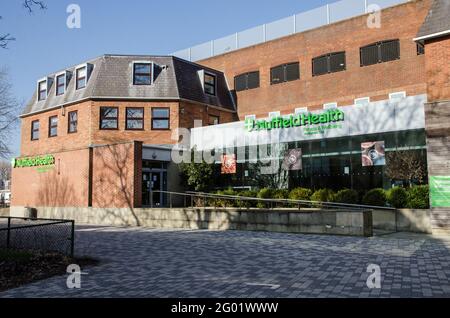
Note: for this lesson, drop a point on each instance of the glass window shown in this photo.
(109, 118)
(73, 122)
(213, 120)
(420, 48)
(53, 126)
(285, 73)
(142, 74)
(81, 77)
(160, 118)
(210, 84)
(60, 84)
(35, 130)
(135, 118)
(42, 90)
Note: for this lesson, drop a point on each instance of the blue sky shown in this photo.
(44, 44)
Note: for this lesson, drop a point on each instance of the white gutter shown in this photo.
(431, 36)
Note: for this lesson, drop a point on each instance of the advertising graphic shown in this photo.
(292, 159)
(440, 191)
(228, 164)
(373, 153)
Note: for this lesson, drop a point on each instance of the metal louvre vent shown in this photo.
(277, 75)
(292, 72)
(285, 73)
(246, 81)
(240, 82)
(329, 63)
(253, 80)
(337, 62)
(320, 65)
(380, 52)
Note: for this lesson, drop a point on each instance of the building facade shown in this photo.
(341, 101)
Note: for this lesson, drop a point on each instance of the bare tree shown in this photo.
(9, 110)
(5, 170)
(406, 166)
(29, 5)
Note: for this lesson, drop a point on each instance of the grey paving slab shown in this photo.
(143, 262)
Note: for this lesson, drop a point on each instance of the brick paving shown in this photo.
(143, 262)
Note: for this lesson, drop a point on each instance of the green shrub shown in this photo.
(346, 196)
(397, 197)
(280, 194)
(265, 193)
(300, 194)
(376, 197)
(246, 203)
(323, 195)
(418, 197)
(223, 202)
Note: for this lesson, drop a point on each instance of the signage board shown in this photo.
(440, 191)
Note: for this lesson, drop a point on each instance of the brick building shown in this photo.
(391, 84)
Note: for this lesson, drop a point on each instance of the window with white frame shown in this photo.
(250, 117)
(60, 84)
(301, 110)
(362, 101)
(81, 77)
(330, 105)
(274, 114)
(397, 96)
(42, 90)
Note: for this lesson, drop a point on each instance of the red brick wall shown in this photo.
(437, 61)
(376, 81)
(65, 184)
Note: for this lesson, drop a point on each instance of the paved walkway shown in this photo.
(139, 262)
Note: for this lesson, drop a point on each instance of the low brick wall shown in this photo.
(280, 220)
(408, 220)
(4, 212)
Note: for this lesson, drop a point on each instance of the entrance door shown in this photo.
(152, 183)
(156, 185)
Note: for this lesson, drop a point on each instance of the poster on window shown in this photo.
(373, 153)
(292, 159)
(228, 164)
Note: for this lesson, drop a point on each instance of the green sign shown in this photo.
(37, 161)
(328, 117)
(440, 191)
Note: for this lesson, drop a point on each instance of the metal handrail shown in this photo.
(335, 205)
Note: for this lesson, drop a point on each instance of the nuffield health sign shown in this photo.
(314, 123)
(37, 161)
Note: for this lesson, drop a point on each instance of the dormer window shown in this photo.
(210, 84)
(42, 90)
(81, 77)
(60, 84)
(142, 73)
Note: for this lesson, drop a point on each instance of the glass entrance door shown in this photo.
(152, 183)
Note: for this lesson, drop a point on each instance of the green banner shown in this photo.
(440, 191)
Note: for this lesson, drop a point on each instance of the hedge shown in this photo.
(346, 196)
(397, 197)
(419, 197)
(376, 197)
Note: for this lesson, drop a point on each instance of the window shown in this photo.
(328, 63)
(160, 118)
(53, 126)
(210, 84)
(250, 117)
(362, 101)
(135, 118)
(73, 122)
(213, 120)
(246, 81)
(35, 130)
(285, 73)
(142, 73)
(301, 110)
(330, 105)
(380, 52)
(397, 96)
(42, 90)
(109, 118)
(60, 84)
(274, 114)
(420, 49)
(81, 75)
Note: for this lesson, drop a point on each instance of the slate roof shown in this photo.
(437, 20)
(112, 78)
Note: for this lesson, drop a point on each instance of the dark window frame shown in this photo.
(77, 78)
(328, 57)
(215, 117)
(57, 86)
(150, 74)
(214, 86)
(101, 117)
(420, 47)
(380, 57)
(42, 90)
(161, 118)
(246, 75)
(33, 129)
(51, 126)
(284, 68)
(134, 118)
(70, 121)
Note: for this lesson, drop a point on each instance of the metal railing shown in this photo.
(49, 235)
(203, 199)
(330, 13)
